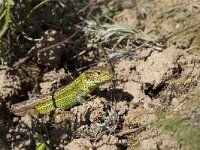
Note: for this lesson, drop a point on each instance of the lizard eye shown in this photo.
(98, 72)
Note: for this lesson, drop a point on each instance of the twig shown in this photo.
(130, 131)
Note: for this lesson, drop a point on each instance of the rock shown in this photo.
(79, 144)
(159, 67)
(11, 82)
(148, 144)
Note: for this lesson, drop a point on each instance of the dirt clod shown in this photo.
(79, 144)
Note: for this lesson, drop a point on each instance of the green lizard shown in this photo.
(67, 97)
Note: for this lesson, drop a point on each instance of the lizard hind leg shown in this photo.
(60, 115)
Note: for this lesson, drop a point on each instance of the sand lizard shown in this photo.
(69, 96)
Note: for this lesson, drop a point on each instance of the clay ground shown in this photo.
(152, 103)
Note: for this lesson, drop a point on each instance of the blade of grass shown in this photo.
(2, 54)
(19, 28)
(2, 15)
(36, 7)
(119, 40)
(7, 19)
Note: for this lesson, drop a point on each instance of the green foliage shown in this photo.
(5, 13)
(9, 26)
(117, 39)
(42, 145)
(187, 134)
(7, 19)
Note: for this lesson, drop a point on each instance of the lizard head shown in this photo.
(98, 75)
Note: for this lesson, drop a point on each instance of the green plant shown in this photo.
(10, 27)
(116, 39)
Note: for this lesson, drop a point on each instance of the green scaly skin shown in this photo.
(69, 96)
